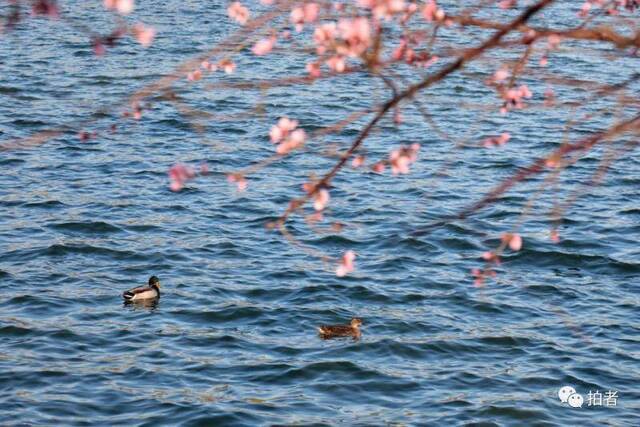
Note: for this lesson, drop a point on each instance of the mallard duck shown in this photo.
(151, 291)
(334, 331)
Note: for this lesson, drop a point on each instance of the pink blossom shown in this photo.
(431, 12)
(478, 277)
(398, 52)
(194, 75)
(282, 129)
(306, 13)
(321, 199)
(356, 34)
(430, 61)
(324, 36)
(285, 134)
(401, 158)
(313, 68)
(336, 63)
(264, 46)
(378, 167)
(501, 75)
(397, 117)
(513, 240)
(507, 4)
(525, 92)
(347, 264)
(514, 96)
(584, 10)
(144, 35)
(208, 66)
(287, 124)
(227, 66)
(241, 184)
(552, 162)
(294, 141)
(137, 111)
(239, 180)
(98, 47)
(497, 140)
(124, 7)
(357, 161)
(383, 8)
(179, 174)
(549, 97)
(554, 41)
(238, 12)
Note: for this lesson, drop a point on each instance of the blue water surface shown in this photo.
(233, 339)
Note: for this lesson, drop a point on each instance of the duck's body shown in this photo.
(335, 331)
(151, 291)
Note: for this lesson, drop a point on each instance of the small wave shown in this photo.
(46, 204)
(88, 227)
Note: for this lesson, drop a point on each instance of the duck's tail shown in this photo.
(128, 295)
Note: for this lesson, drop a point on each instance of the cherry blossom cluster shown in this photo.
(123, 7)
(180, 174)
(304, 14)
(513, 98)
(402, 158)
(238, 12)
(286, 135)
(225, 65)
(142, 33)
(496, 141)
(346, 264)
(511, 240)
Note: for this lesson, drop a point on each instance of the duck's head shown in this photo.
(356, 322)
(154, 281)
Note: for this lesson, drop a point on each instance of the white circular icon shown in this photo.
(575, 400)
(565, 392)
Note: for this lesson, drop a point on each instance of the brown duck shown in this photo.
(152, 291)
(335, 331)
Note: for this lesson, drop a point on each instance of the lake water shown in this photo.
(233, 339)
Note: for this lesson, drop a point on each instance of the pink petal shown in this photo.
(124, 7)
(515, 243)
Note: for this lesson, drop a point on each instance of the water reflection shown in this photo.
(145, 304)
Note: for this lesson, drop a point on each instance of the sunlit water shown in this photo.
(233, 339)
